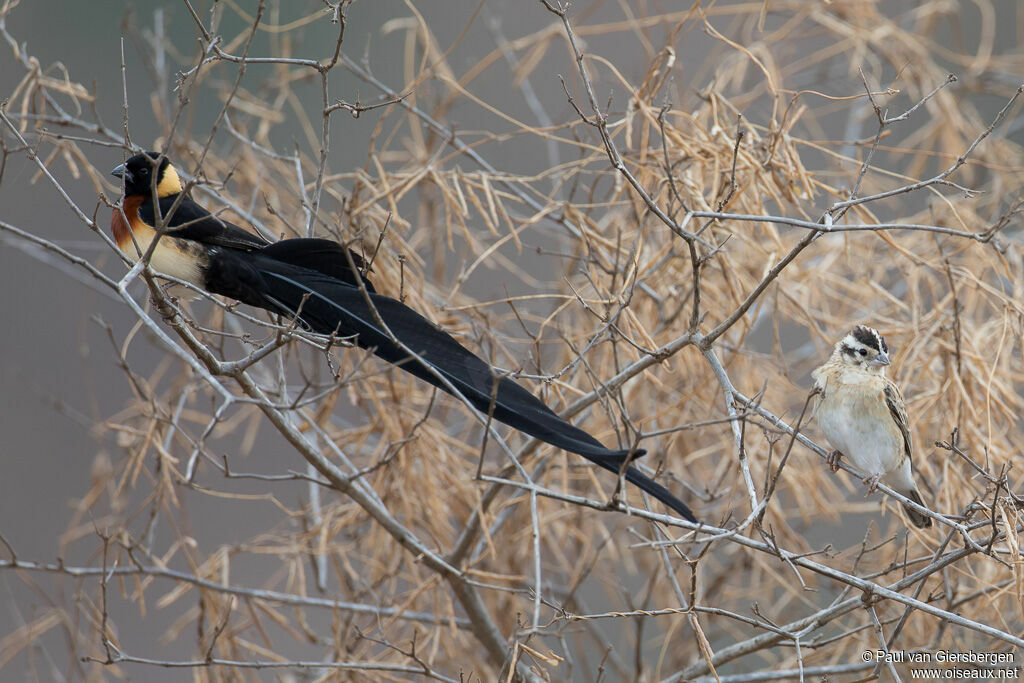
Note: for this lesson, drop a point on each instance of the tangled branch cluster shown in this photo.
(673, 262)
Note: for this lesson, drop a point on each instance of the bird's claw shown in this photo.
(832, 459)
(872, 482)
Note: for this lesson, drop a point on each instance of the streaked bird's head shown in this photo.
(145, 171)
(863, 347)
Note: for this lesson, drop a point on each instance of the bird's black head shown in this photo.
(140, 171)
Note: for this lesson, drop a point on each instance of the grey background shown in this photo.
(57, 366)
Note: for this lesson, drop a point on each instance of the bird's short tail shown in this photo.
(919, 520)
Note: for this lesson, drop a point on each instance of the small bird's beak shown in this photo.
(122, 172)
(880, 359)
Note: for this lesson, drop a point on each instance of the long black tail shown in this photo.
(311, 279)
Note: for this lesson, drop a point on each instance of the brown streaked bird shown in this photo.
(864, 416)
(311, 280)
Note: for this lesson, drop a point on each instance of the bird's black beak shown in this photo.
(123, 173)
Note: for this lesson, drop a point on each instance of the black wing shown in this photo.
(192, 222)
(323, 256)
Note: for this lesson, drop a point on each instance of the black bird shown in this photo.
(312, 280)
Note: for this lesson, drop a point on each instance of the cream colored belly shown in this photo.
(173, 256)
(856, 426)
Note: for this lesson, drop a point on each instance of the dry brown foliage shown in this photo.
(686, 242)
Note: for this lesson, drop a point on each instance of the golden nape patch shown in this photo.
(170, 183)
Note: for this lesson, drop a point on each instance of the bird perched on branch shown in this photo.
(319, 283)
(864, 416)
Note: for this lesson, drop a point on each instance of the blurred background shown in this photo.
(84, 453)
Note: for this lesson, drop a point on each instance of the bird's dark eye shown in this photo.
(143, 171)
(863, 352)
